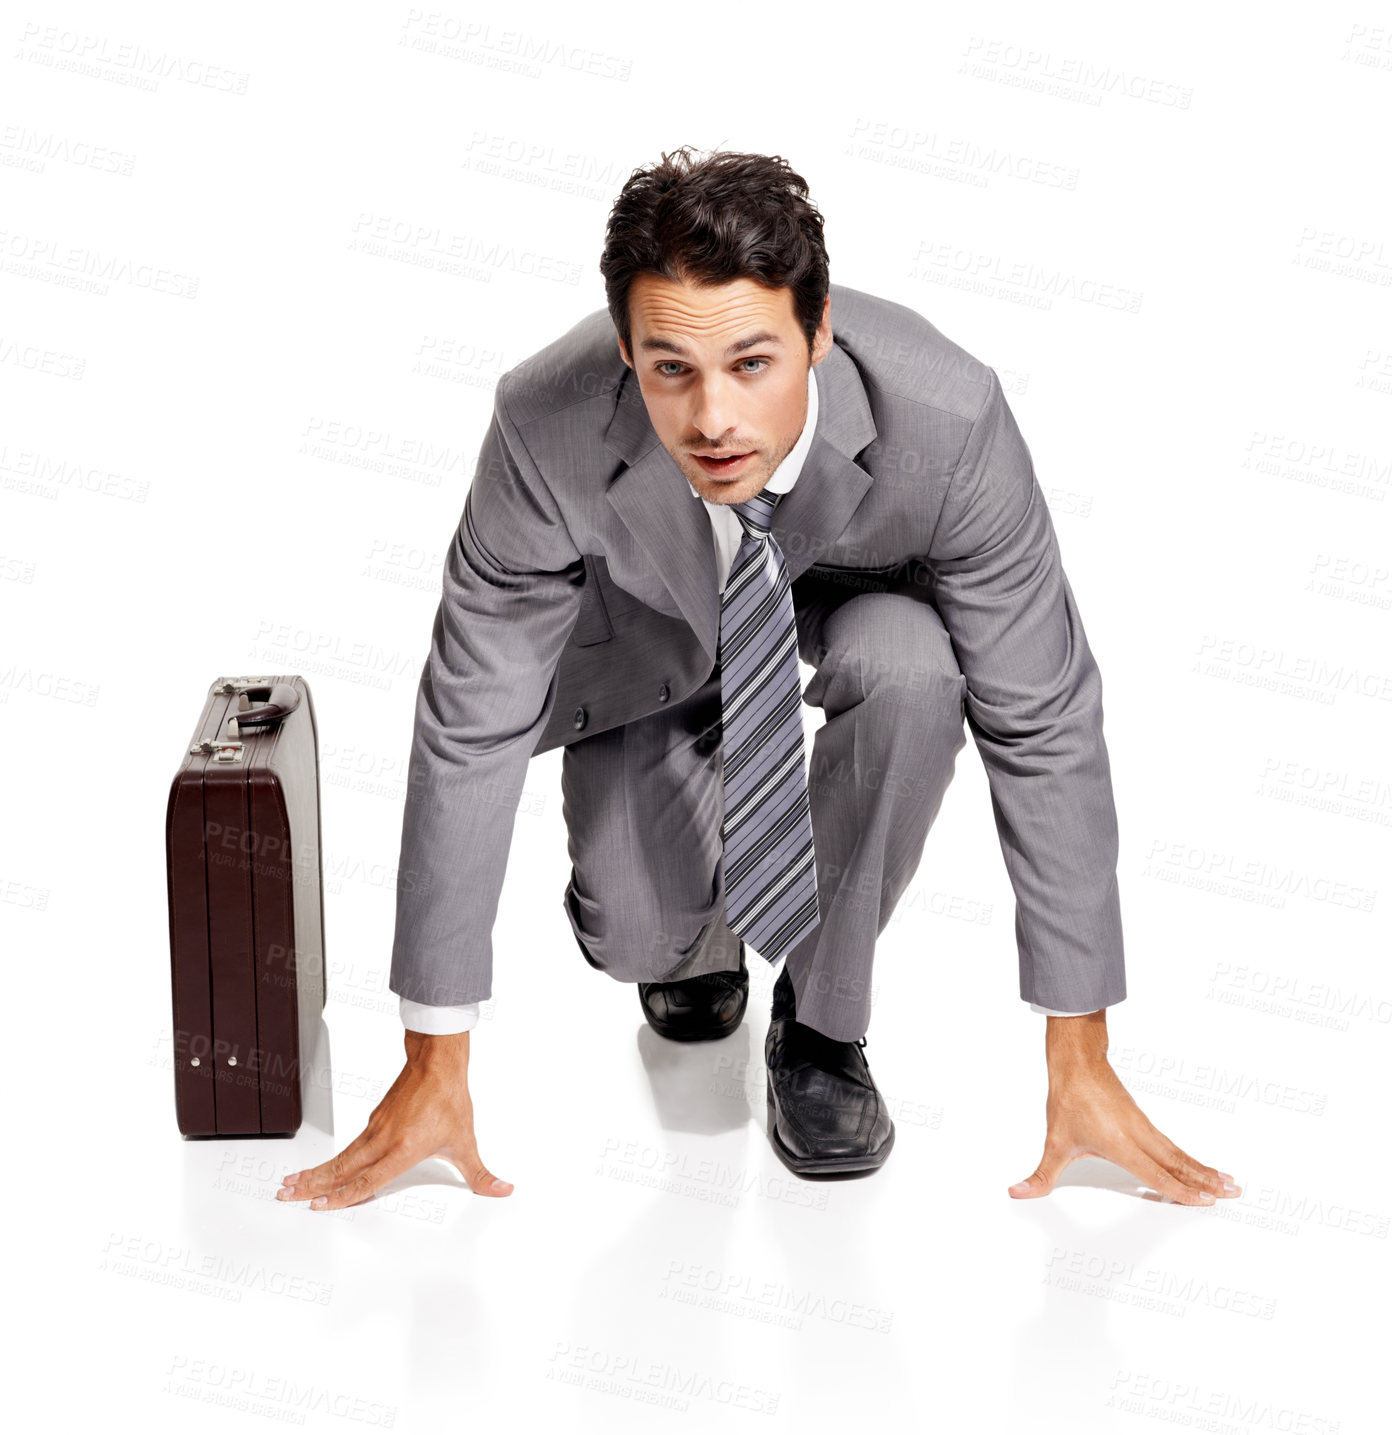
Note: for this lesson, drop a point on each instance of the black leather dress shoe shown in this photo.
(702, 1008)
(825, 1114)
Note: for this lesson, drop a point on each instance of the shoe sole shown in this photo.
(821, 1165)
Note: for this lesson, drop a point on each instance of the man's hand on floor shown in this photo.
(1090, 1113)
(427, 1112)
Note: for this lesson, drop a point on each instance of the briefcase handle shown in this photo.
(264, 705)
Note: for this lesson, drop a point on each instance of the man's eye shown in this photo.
(671, 369)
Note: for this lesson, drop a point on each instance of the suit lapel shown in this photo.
(652, 498)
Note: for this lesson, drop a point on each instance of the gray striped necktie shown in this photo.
(770, 865)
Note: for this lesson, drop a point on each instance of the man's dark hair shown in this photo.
(710, 221)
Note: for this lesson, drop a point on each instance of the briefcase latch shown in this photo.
(223, 750)
(235, 685)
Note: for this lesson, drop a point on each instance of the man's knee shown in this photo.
(893, 648)
(629, 951)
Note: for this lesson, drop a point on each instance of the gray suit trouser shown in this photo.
(643, 804)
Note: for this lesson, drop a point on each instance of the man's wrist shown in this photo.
(1076, 1042)
(426, 1050)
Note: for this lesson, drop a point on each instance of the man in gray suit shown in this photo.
(761, 460)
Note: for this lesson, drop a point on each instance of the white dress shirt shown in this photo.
(728, 533)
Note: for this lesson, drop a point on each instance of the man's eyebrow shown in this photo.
(670, 346)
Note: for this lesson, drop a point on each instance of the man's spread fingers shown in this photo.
(367, 1182)
(1192, 1173)
(333, 1173)
(1197, 1174)
(1197, 1178)
(1165, 1183)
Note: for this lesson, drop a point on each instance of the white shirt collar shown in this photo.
(786, 474)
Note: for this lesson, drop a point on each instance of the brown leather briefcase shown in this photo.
(246, 910)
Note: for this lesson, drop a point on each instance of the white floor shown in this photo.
(657, 1267)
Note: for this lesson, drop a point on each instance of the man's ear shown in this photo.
(821, 340)
(623, 352)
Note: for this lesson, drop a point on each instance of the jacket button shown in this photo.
(580, 718)
(663, 693)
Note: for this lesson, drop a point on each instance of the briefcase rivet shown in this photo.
(193, 1061)
(231, 1061)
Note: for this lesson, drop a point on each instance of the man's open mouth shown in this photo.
(717, 467)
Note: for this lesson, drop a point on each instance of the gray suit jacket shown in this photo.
(580, 593)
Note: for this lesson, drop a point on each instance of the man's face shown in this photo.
(723, 374)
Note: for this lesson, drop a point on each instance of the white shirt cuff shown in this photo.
(1048, 1011)
(438, 1020)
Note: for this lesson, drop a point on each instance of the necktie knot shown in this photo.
(756, 514)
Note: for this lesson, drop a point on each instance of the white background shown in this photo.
(237, 426)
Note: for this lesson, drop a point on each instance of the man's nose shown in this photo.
(714, 415)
